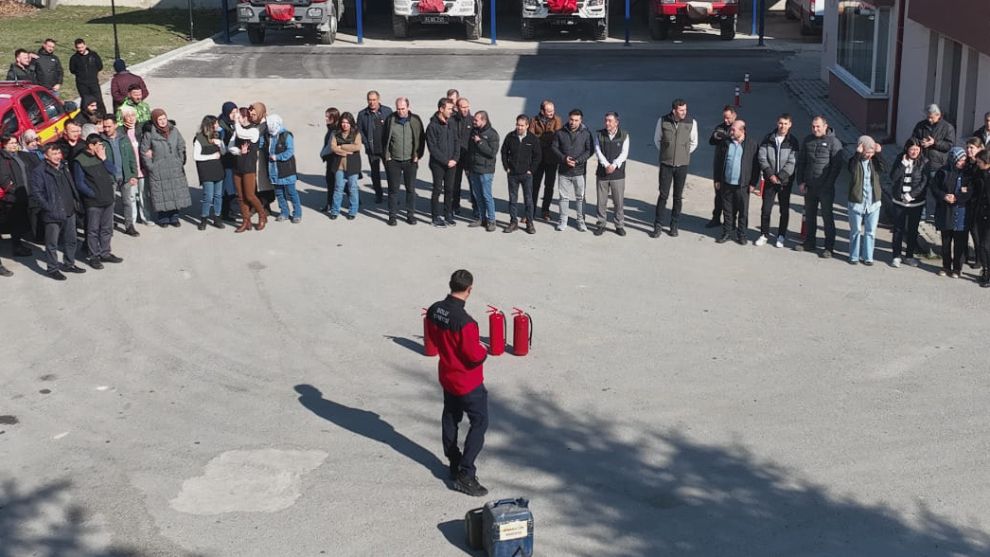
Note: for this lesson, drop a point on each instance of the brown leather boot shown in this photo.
(244, 227)
(262, 220)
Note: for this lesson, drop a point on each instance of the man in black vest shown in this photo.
(676, 137)
(95, 181)
(612, 150)
(521, 155)
(737, 174)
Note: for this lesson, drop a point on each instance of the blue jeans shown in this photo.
(212, 197)
(340, 180)
(862, 230)
(481, 189)
(228, 182)
(280, 193)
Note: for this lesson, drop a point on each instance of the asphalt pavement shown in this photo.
(263, 394)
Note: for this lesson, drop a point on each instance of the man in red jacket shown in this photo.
(461, 373)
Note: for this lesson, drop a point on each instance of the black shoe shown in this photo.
(530, 229)
(411, 220)
(672, 232)
(131, 231)
(348, 216)
(333, 216)
(490, 227)
(804, 247)
(73, 269)
(620, 231)
(714, 223)
(201, 225)
(20, 250)
(825, 254)
(464, 484)
(475, 224)
(451, 222)
(56, 275)
(95, 263)
(741, 240)
(111, 258)
(722, 239)
(392, 221)
(176, 223)
(600, 229)
(439, 223)
(218, 222)
(656, 232)
(513, 226)
(5, 272)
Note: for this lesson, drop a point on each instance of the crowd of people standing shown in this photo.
(246, 158)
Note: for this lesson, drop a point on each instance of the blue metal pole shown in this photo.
(753, 31)
(627, 22)
(360, 21)
(492, 15)
(763, 21)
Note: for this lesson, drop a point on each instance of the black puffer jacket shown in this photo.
(819, 161)
(944, 135)
(482, 154)
(577, 144)
(48, 69)
(901, 182)
(442, 139)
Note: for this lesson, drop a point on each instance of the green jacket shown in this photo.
(142, 109)
(857, 177)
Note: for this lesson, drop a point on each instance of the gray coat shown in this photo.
(165, 171)
(769, 155)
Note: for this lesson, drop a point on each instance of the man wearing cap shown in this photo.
(121, 83)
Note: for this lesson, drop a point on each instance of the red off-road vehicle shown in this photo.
(670, 17)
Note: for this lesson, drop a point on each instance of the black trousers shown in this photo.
(717, 205)
(546, 175)
(91, 90)
(60, 232)
(399, 173)
(982, 227)
(672, 176)
(475, 405)
(735, 210)
(783, 195)
(906, 221)
(953, 250)
(460, 175)
(524, 181)
(824, 196)
(443, 184)
(375, 164)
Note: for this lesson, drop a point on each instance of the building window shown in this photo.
(863, 43)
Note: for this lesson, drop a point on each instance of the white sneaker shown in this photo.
(896, 262)
(780, 242)
(582, 227)
(561, 227)
(761, 241)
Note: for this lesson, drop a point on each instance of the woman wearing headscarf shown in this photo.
(865, 170)
(226, 120)
(907, 191)
(244, 144)
(953, 189)
(282, 168)
(332, 116)
(266, 190)
(163, 153)
(208, 149)
(345, 147)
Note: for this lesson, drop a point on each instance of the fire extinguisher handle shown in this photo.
(530, 328)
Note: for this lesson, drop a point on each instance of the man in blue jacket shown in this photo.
(55, 195)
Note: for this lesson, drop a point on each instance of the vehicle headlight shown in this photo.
(596, 3)
(314, 12)
(531, 3)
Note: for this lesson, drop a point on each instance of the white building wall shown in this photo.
(914, 78)
(830, 33)
(982, 91)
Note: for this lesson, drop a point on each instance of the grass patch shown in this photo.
(142, 34)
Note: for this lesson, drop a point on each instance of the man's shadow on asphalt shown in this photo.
(370, 425)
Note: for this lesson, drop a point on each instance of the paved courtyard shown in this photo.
(263, 394)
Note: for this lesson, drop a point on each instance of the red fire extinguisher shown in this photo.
(496, 331)
(429, 348)
(522, 332)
